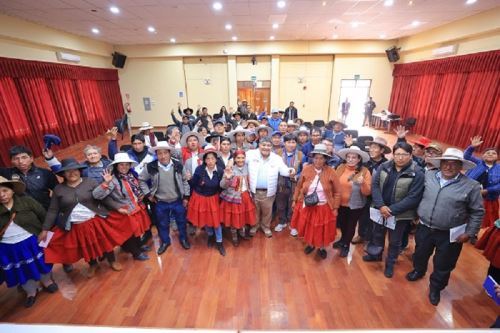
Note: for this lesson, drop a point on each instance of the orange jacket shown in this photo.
(328, 179)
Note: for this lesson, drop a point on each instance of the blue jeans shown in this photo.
(218, 233)
(163, 211)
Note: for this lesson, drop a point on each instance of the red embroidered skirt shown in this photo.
(88, 240)
(490, 244)
(204, 211)
(238, 215)
(140, 221)
(490, 214)
(316, 224)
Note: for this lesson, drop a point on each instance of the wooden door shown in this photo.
(258, 98)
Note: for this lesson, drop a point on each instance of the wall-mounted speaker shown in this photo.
(392, 54)
(119, 60)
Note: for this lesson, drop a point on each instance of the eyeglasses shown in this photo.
(401, 155)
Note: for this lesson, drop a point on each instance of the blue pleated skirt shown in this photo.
(21, 262)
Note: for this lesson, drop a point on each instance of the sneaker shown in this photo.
(252, 231)
(294, 232)
(268, 233)
(280, 227)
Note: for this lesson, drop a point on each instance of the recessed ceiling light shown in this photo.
(95, 31)
(323, 3)
(335, 36)
(281, 4)
(234, 38)
(151, 29)
(388, 3)
(172, 40)
(415, 23)
(410, 3)
(217, 6)
(114, 10)
(354, 24)
(276, 26)
(382, 36)
(228, 26)
(470, 2)
(271, 37)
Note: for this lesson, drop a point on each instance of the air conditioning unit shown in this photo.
(445, 51)
(63, 56)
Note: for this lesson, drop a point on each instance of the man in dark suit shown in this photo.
(291, 112)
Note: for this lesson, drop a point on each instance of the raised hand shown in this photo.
(228, 172)
(107, 176)
(348, 140)
(172, 111)
(476, 141)
(401, 131)
(113, 133)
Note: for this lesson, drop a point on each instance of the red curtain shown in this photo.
(452, 99)
(36, 98)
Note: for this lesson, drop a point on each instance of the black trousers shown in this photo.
(395, 239)
(347, 221)
(365, 226)
(445, 255)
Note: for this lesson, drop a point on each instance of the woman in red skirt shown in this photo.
(121, 185)
(81, 230)
(237, 206)
(316, 222)
(204, 206)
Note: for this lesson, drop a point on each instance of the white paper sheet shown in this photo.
(46, 242)
(376, 217)
(456, 232)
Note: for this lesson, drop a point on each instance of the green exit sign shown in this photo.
(357, 77)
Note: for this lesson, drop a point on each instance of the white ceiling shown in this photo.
(195, 21)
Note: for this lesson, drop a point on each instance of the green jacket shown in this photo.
(29, 214)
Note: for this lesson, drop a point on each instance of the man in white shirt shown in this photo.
(264, 167)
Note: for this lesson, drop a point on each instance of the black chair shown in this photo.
(125, 148)
(308, 124)
(319, 123)
(353, 133)
(361, 141)
(160, 136)
(410, 122)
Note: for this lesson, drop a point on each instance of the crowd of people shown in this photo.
(240, 171)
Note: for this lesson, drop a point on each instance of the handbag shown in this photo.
(312, 199)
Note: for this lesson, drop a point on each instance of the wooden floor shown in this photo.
(263, 284)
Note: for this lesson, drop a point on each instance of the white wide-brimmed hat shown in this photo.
(319, 149)
(452, 154)
(292, 123)
(354, 150)
(239, 129)
(209, 148)
(145, 126)
(269, 129)
(122, 158)
(187, 135)
(161, 145)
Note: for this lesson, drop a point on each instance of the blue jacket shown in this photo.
(202, 184)
(307, 148)
(338, 139)
(274, 123)
(493, 186)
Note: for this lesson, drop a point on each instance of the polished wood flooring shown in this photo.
(263, 284)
